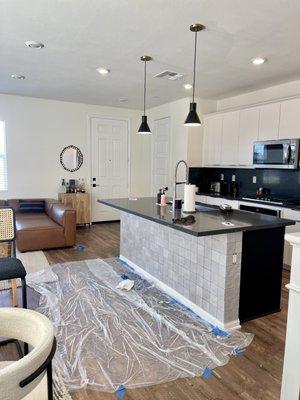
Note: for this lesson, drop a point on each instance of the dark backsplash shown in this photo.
(281, 182)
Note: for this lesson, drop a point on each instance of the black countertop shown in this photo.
(209, 220)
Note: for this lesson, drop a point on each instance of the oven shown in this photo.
(276, 154)
(276, 212)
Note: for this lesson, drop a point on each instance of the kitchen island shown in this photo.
(227, 269)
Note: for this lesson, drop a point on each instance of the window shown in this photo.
(3, 166)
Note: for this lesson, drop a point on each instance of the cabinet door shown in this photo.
(248, 134)
(289, 126)
(212, 140)
(216, 201)
(295, 216)
(230, 135)
(269, 122)
(200, 198)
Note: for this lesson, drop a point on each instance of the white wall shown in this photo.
(272, 93)
(38, 129)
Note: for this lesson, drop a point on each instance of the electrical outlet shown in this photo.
(233, 178)
(253, 179)
(234, 258)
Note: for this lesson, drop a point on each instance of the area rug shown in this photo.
(33, 261)
(113, 340)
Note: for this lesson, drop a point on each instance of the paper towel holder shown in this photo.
(186, 211)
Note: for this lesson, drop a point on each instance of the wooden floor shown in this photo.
(254, 376)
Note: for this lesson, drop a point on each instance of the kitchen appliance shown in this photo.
(263, 192)
(224, 188)
(280, 200)
(233, 189)
(215, 187)
(261, 210)
(276, 154)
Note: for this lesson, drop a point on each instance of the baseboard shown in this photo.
(181, 299)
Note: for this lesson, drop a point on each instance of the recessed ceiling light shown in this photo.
(103, 71)
(16, 76)
(188, 86)
(34, 45)
(258, 60)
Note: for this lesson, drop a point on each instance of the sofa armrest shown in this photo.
(66, 217)
(48, 205)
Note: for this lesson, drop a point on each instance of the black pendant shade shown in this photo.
(144, 127)
(193, 119)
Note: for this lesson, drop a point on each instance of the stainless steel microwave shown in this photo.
(276, 154)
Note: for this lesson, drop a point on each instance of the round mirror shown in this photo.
(71, 158)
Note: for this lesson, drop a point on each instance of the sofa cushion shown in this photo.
(35, 221)
(31, 206)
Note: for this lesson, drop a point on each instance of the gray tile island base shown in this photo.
(224, 273)
(201, 272)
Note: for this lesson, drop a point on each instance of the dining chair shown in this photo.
(30, 377)
(11, 268)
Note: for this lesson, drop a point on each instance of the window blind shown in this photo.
(3, 163)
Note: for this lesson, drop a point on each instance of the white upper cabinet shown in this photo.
(212, 140)
(269, 122)
(230, 138)
(248, 134)
(289, 126)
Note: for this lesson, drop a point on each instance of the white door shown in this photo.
(109, 158)
(161, 155)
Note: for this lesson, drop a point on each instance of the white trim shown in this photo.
(180, 298)
(251, 105)
(292, 286)
(89, 144)
(153, 121)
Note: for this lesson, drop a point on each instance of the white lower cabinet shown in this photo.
(295, 216)
(216, 201)
(200, 198)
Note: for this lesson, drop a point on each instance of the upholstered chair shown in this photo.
(29, 378)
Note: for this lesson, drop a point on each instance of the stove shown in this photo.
(276, 200)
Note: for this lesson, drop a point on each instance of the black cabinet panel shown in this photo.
(261, 273)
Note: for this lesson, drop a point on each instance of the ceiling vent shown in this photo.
(172, 76)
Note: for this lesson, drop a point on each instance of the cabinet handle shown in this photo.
(94, 185)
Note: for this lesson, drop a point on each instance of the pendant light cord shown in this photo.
(194, 77)
(145, 89)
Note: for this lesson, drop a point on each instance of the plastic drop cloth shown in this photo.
(108, 337)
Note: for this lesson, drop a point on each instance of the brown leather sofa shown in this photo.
(56, 227)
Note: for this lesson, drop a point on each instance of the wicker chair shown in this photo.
(30, 377)
(11, 268)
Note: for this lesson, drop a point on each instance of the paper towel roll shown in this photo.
(189, 198)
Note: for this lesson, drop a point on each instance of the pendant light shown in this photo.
(192, 119)
(144, 127)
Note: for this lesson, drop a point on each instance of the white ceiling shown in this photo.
(81, 35)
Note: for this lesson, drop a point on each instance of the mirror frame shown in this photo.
(80, 158)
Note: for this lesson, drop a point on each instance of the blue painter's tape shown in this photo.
(120, 392)
(80, 247)
(207, 373)
(238, 352)
(219, 332)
